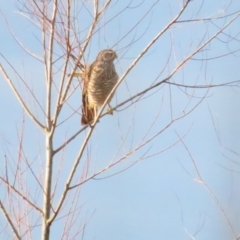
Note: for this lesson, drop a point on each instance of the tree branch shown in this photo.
(9, 221)
(22, 103)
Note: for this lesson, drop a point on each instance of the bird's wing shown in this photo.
(95, 70)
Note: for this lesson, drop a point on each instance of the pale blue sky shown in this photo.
(157, 198)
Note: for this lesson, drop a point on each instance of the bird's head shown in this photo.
(107, 55)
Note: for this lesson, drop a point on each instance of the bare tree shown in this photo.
(166, 62)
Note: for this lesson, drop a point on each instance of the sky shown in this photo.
(184, 183)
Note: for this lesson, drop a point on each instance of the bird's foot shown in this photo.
(110, 111)
(77, 74)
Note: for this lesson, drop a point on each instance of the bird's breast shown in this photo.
(102, 80)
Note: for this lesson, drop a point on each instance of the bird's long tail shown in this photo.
(88, 114)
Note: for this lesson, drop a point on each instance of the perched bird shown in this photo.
(99, 79)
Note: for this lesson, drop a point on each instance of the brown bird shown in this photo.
(98, 81)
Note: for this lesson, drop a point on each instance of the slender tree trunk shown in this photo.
(47, 189)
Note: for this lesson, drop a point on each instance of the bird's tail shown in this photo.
(88, 114)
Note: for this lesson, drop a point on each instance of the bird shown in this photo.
(99, 78)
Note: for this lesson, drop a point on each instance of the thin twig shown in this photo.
(21, 195)
(9, 221)
(200, 180)
(16, 93)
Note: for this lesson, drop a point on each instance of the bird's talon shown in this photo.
(77, 74)
(110, 111)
